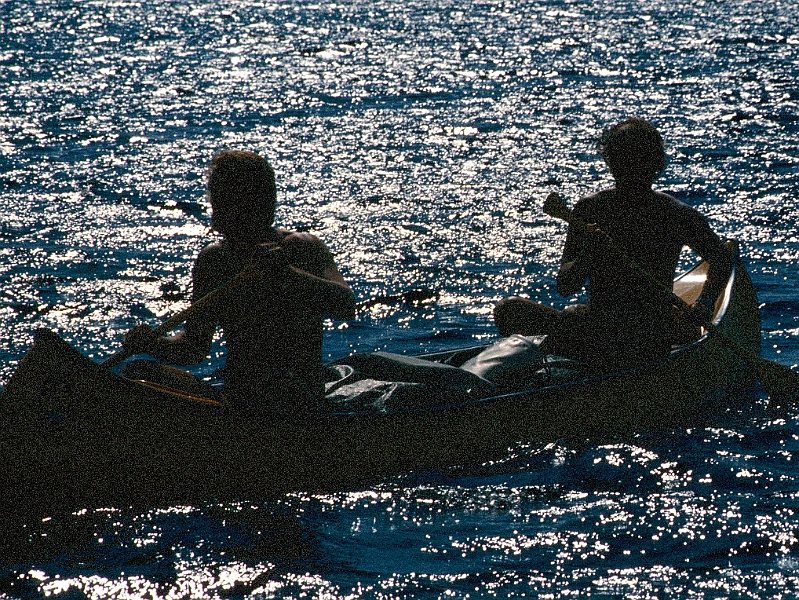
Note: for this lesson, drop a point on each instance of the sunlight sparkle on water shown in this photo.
(417, 140)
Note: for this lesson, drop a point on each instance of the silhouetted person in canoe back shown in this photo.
(272, 324)
(625, 321)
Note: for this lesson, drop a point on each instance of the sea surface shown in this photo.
(417, 139)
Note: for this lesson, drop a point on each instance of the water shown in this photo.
(417, 139)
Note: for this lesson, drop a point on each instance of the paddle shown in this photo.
(247, 274)
(780, 382)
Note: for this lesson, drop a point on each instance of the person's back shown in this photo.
(272, 327)
(634, 322)
(626, 322)
(273, 323)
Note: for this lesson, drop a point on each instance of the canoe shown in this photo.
(75, 435)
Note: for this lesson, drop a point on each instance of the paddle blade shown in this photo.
(780, 382)
(554, 206)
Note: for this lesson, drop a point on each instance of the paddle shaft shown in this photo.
(247, 274)
(778, 380)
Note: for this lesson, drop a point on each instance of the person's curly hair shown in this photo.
(241, 188)
(633, 150)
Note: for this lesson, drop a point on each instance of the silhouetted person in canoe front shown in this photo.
(625, 321)
(272, 324)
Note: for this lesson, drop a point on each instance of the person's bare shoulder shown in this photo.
(209, 267)
(667, 198)
(679, 210)
(589, 206)
(305, 243)
(301, 237)
(307, 252)
(210, 257)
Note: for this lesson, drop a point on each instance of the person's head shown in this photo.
(241, 188)
(633, 151)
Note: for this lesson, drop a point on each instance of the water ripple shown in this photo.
(417, 139)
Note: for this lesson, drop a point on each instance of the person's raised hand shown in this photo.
(699, 313)
(270, 257)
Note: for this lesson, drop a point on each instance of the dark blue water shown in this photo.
(417, 139)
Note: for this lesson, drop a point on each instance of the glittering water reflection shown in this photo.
(417, 139)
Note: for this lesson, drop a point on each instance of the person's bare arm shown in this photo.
(709, 246)
(571, 276)
(317, 276)
(190, 345)
(582, 244)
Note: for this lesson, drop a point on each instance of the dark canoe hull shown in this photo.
(74, 435)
